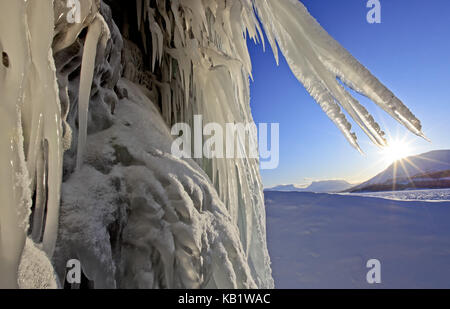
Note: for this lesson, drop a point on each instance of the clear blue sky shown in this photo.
(409, 52)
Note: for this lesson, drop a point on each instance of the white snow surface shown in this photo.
(411, 195)
(35, 270)
(325, 241)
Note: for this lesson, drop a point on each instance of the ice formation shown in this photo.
(318, 61)
(134, 215)
(31, 156)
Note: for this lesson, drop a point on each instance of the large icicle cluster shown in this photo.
(205, 36)
(132, 213)
(31, 132)
(318, 62)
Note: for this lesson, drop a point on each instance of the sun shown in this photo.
(396, 150)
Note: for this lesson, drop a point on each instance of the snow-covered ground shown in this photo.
(325, 240)
(411, 195)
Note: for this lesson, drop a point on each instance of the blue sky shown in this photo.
(409, 52)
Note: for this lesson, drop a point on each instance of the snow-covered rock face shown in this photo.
(134, 215)
(137, 217)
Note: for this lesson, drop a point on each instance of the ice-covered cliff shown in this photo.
(88, 96)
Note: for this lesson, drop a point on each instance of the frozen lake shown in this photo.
(411, 195)
(325, 240)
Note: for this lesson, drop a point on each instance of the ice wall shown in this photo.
(30, 120)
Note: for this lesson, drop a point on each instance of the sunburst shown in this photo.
(396, 150)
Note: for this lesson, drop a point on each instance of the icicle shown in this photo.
(175, 6)
(144, 39)
(41, 193)
(267, 19)
(157, 38)
(240, 44)
(139, 13)
(355, 75)
(50, 146)
(164, 13)
(198, 12)
(87, 73)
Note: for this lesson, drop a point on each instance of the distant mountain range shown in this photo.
(327, 186)
(430, 170)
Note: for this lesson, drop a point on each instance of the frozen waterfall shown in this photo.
(85, 115)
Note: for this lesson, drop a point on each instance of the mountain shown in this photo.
(326, 186)
(428, 170)
(287, 188)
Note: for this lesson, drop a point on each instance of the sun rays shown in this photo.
(397, 150)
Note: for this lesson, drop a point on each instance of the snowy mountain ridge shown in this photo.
(324, 186)
(427, 170)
